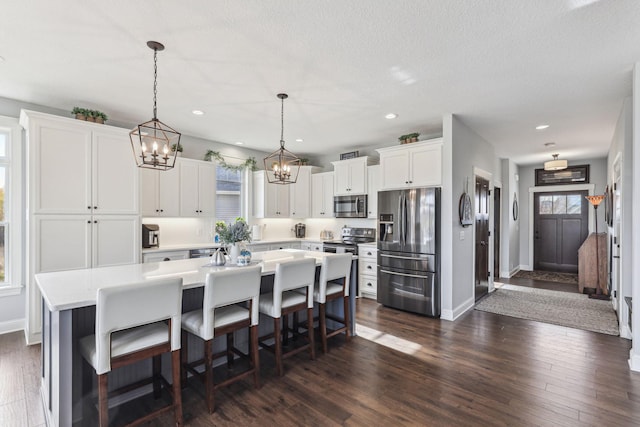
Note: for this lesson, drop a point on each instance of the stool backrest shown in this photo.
(132, 305)
(230, 287)
(299, 273)
(334, 267)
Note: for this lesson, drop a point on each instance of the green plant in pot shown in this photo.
(176, 147)
(80, 113)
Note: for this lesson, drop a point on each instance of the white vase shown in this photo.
(234, 251)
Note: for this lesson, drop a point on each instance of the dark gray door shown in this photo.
(560, 225)
(482, 237)
(496, 233)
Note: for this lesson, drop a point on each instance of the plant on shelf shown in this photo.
(237, 232)
(304, 161)
(176, 147)
(80, 113)
(408, 138)
(89, 115)
(211, 155)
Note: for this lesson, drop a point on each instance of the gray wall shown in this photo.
(597, 175)
(510, 236)
(470, 151)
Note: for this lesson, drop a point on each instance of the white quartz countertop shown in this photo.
(189, 246)
(64, 290)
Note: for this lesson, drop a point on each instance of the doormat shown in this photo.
(549, 276)
(559, 308)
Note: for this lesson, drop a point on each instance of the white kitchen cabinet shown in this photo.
(160, 192)
(411, 165)
(373, 186)
(322, 195)
(79, 168)
(368, 271)
(350, 176)
(311, 246)
(197, 188)
(269, 200)
(158, 256)
(300, 193)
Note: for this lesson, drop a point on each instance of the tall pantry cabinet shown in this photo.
(83, 201)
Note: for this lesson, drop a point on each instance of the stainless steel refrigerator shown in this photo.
(409, 250)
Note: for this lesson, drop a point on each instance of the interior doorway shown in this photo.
(496, 232)
(481, 237)
(560, 226)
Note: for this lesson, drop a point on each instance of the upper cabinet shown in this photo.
(300, 193)
(160, 191)
(411, 165)
(197, 188)
(373, 186)
(79, 168)
(350, 176)
(322, 195)
(269, 200)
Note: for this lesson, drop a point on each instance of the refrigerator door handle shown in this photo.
(394, 273)
(404, 257)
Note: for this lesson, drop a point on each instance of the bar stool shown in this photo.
(289, 276)
(130, 326)
(221, 315)
(333, 284)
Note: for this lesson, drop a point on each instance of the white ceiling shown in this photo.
(503, 66)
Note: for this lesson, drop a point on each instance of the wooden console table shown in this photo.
(587, 263)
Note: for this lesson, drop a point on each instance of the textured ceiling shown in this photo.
(502, 66)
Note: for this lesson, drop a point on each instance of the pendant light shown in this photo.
(555, 164)
(282, 166)
(152, 141)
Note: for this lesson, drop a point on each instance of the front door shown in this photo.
(560, 226)
(482, 238)
(496, 232)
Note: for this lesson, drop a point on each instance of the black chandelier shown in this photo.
(155, 145)
(282, 166)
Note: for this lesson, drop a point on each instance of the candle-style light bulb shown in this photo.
(155, 147)
(165, 150)
(144, 147)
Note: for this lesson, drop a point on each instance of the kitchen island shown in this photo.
(69, 299)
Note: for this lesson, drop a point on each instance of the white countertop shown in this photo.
(189, 246)
(63, 290)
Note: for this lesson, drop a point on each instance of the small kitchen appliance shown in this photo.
(256, 232)
(300, 229)
(150, 236)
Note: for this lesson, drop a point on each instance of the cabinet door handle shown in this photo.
(161, 210)
(95, 222)
(88, 221)
(368, 267)
(157, 210)
(89, 207)
(95, 207)
(406, 182)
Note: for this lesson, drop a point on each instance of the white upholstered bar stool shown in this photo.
(333, 284)
(130, 326)
(289, 277)
(222, 314)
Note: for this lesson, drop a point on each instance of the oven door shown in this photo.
(409, 290)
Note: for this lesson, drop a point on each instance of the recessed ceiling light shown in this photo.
(239, 143)
(391, 116)
(542, 127)
(198, 112)
(549, 144)
(299, 140)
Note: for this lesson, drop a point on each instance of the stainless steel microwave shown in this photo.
(350, 206)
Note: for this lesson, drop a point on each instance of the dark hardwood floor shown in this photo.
(404, 369)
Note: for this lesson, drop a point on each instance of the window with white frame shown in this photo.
(10, 206)
(229, 193)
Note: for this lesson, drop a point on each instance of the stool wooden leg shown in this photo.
(278, 345)
(177, 390)
(312, 348)
(87, 385)
(184, 356)
(255, 357)
(322, 317)
(208, 375)
(347, 318)
(103, 406)
(157, 368)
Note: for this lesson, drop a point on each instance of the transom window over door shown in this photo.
(229, 193)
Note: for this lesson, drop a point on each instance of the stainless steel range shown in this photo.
(350, 237)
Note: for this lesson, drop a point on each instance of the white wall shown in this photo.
(510, 236)
(634, 355)
(469, 153)
(597, 176)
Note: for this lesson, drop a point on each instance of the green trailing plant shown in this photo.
(211, 155)
(176, 147)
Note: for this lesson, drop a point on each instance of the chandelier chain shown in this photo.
(155, 83)
(282, 123)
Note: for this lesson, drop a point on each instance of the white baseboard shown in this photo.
(11, 326)
(447, 315)
(525, 267)
(634, 361)
(513, 272)
(625, 332)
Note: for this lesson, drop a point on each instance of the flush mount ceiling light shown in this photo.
(152, 141)
(555, 164)
(542, 127)
(282, 166)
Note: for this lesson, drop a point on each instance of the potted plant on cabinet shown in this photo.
(178, 148)
(80, 113)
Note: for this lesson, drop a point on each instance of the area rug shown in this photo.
(559, 308)
(549, 276)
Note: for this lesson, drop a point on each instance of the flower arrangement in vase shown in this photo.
(232, 234)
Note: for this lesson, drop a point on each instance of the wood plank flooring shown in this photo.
(404, 369)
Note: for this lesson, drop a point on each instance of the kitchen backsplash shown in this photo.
(178, 231)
